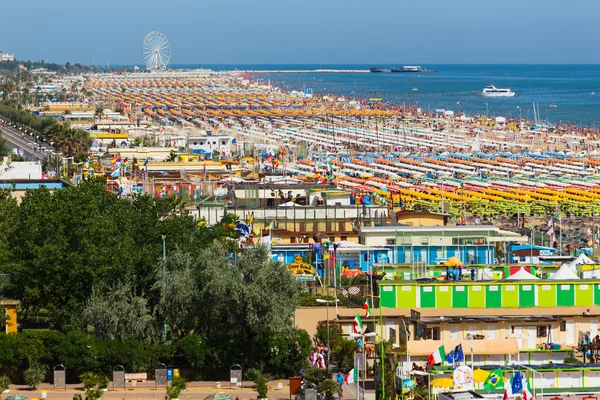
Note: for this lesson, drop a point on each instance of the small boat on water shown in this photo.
(552, 106)
(377, 69)
(415, 89)
(412, 68)
(493, 91)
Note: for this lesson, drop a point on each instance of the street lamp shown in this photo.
(541, 380)
(327, 322)
(363, 336)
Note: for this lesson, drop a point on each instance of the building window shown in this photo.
(341, 226)
(424, 241)
(390, 242)
(428, 333)
(344, 238)
(563, 326)
(393, 336)
(332, 239)
(302, 227)
(432, 333)
(542, 331)
(292, 239)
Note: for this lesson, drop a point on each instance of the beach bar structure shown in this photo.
(489, 294)
(472, 244)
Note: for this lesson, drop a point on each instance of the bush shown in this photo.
(571, 360)
(308, 300)
(34, 375)
(93, 394)
(178, 385)
(323, 381)
(261, 386)
(103, 382)
(4, 383)
(343, 354)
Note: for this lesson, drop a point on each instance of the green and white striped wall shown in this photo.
(493, 294)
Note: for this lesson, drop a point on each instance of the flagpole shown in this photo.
(382, 351)
(559, 232)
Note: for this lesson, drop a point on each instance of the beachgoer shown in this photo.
(339, 379)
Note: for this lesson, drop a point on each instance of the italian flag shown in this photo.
(367, 309)
(351, 376)
(527, 395)
(357, 326)
(437, 357)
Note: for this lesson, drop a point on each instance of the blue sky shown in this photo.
(306, 31)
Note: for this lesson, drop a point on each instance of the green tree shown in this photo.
(5, 149)
(120, 314)
(391, 360)
(288, 352)
(178, 293)
(343, 353)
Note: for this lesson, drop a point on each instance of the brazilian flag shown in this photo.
(494, 380)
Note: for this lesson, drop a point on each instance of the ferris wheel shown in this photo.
(156, 51)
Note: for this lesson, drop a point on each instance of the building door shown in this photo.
(454, 333)
(492, 332)
(531, 337)
(570, 332)
(518, 333)
(593, 328)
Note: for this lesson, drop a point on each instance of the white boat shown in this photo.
(408, 68)
(493, 91)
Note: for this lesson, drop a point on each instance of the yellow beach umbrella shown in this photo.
(442, 383)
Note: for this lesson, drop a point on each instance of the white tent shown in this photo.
(565, 273)
(290, 204)
(580, 260)
(522, 275)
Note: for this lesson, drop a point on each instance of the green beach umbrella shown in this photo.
(218, 396)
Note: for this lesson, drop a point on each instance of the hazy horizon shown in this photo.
(327, 32)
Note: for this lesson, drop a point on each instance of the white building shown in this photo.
(6, 57)
(208, 144)
(20, 170)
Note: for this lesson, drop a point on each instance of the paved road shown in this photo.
(32, 150)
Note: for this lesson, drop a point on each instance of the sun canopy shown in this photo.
(580, 260)
(564, 273)
(480, 347)
(522, 275)
(290, 204)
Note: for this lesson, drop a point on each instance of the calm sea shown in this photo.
(573, 89)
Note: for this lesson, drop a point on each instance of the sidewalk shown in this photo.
(147, 390)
